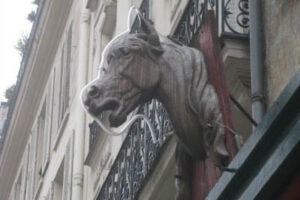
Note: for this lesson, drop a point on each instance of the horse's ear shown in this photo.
(146, 31)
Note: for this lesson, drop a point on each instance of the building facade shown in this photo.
(3, 114)
(52, 149)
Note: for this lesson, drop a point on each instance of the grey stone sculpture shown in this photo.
(137, 67)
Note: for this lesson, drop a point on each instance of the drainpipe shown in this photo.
(256, 60)
(79, 144)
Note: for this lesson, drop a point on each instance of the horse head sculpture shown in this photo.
(138, 66)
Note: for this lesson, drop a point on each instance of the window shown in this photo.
(31, 166)
(68, 163)
(40, 135)
(62, 185)
(25, 173)
(48, 125)
(18, 188)
(58, 183)
(65, 68)
(50, 192)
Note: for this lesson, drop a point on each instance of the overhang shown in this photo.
(270, 157)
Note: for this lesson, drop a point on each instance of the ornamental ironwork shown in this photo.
(137, 155)
(234, 21)
(235, 18)
(192, 19)
(94, 131)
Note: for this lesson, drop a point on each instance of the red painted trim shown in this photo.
(205, 173)
(210, 46)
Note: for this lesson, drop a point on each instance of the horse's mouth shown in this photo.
(116, 120)
(112, 111)
(119, 111)
(115, 117)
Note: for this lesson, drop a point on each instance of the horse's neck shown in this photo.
(176, 74)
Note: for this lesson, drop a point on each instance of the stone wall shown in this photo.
(282, 37)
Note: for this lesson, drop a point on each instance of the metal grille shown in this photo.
(234, 20)
(137, 155)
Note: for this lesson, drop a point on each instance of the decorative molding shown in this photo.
(192, 19)
(232, 17)
(235, 18)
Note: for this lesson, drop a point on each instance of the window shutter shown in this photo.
(34, 160)
(24, 173)
(31, 164)
(50, 192)
(29, 171)
(68, 69)
(39, 142)
(65, 69)
(68, 169)
(48, 122)
(61, 85)
(12, 194)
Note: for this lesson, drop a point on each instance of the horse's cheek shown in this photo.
(143, 73)
(147, 74)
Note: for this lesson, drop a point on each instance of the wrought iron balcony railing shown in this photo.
(235, 20)
(138, 152)
(232, 18)
(137, 155)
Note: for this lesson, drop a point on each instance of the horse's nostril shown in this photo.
(93, 92)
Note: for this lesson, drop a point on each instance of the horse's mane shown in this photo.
(201, 95)
(203, 100)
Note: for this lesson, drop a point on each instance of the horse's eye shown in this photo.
(125, 51)
(103, 70)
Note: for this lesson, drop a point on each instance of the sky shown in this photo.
(13, 24)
